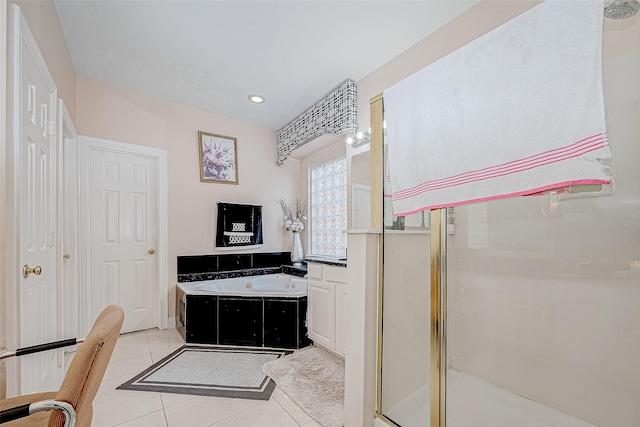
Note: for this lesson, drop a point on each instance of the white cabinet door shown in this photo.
(322, 313)
(341, 307)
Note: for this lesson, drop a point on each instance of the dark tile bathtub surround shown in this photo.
(197, 277)
(194, 268)
(270, 259)
(234, 262)
(197, 264)
(245, 321)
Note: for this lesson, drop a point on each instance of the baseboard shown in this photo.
(318, 344)
(172, 322)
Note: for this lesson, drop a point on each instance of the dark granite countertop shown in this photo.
(286, 269)
(329, 260)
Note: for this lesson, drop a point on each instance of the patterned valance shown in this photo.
(335, 114)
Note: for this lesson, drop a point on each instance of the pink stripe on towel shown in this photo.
(504, 196)
(577, 149)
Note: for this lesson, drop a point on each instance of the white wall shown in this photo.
(120, 114)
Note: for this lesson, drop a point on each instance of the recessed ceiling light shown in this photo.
(257, 99)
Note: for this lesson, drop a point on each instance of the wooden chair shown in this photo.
(73, 403)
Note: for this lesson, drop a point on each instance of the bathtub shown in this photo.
(258, 311)
(268, 285)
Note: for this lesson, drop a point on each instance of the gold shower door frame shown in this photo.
(438, 275)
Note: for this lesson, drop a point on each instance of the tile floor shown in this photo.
(137, 351)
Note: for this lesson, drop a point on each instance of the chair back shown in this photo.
(82, 380)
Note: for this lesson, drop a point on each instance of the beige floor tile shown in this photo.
(294, 410)
(269, 414)
(131, 339)
(168, 343)
(170, 399)
(161, 354)
(154, 419)
(125, 408)
(108, 390)
(156, 334)
(276, 392)
(132, 365)
(204, 411)
(129, 351)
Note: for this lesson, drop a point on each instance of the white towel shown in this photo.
(517, 111)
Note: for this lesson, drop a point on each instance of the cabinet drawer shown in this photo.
(335, 274)
(314, 271)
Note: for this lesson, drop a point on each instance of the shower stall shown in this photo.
(523, 311)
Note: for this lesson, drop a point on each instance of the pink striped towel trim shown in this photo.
(576, 149)
(504, 196)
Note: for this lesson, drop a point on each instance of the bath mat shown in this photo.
(314, 379)
(207, 371)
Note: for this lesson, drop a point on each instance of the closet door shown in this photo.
(35, 98)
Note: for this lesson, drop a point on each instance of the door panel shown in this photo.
(123, 216)
(38, 311)
(322, 314)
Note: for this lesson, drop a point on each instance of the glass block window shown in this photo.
(328, 188)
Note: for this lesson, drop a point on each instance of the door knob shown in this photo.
(67, 256)
(151, 251)
(26, 270)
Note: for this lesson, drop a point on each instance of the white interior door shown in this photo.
(70, 240)
(70, 306)
(38, 295)
(123, 234)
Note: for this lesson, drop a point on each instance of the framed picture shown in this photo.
(218, 158)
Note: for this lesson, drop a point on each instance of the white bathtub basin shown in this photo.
(268, 285)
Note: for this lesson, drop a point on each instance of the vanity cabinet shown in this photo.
(341, 310)
(322, 313)
(327, 301)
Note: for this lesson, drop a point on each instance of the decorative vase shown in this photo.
(296, 249)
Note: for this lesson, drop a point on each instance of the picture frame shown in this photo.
(218, 158)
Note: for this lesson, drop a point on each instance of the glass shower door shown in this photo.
(405, 378)
(543, 293)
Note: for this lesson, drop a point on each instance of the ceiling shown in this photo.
(212, 54)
